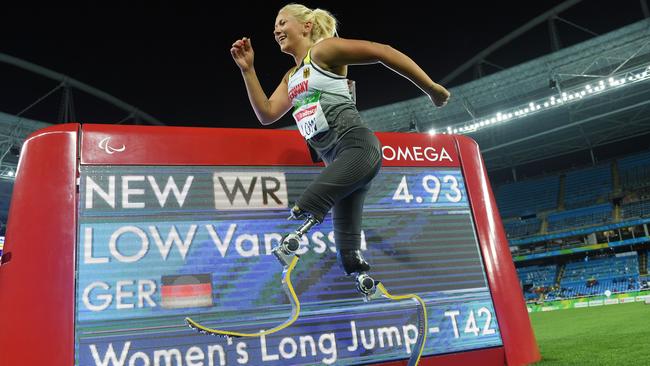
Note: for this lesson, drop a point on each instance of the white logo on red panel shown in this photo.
(103, 144)
(415, 153)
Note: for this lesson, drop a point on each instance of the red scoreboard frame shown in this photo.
(37, 316)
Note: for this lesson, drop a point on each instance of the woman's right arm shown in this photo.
(267, 110)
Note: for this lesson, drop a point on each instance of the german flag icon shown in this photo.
(186, 291)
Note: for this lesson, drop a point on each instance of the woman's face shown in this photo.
(288, 32)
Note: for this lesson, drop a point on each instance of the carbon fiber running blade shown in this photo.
(295, 311)
(419, 344)
(422, 321)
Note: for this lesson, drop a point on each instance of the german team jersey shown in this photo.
(314, 94)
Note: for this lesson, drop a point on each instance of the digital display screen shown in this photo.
(159, 243)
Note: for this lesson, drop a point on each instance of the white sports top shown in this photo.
(306, 85)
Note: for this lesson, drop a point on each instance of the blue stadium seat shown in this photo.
(528, 197)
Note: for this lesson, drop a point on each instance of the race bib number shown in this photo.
(310, 118)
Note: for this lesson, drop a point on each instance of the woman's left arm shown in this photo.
(335, 52)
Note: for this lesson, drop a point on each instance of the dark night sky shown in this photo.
(172, 60)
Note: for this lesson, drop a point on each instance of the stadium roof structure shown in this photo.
(577, 98)
(14, 129)
(550, 106)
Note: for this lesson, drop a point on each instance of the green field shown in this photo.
(603, 335)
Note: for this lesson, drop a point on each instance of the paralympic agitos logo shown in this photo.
(104, 145)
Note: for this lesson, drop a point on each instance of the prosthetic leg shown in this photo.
(295, 310)
(355, 266)
(285, 252)
(352, 263)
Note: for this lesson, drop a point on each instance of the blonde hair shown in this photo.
(323, 22)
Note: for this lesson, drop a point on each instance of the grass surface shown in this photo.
(603, 335)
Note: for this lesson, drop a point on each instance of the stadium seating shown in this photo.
(528, 197)
(582, 198)
(580, 217)
(635, 210)
(519, 228)
(585, 187)
(595, 276)
(535, 279)
(634, 171)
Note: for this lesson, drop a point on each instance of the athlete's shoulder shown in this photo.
(335, 52)
(327, 45)
(332, 53)
(288, 74)
(335, 43)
